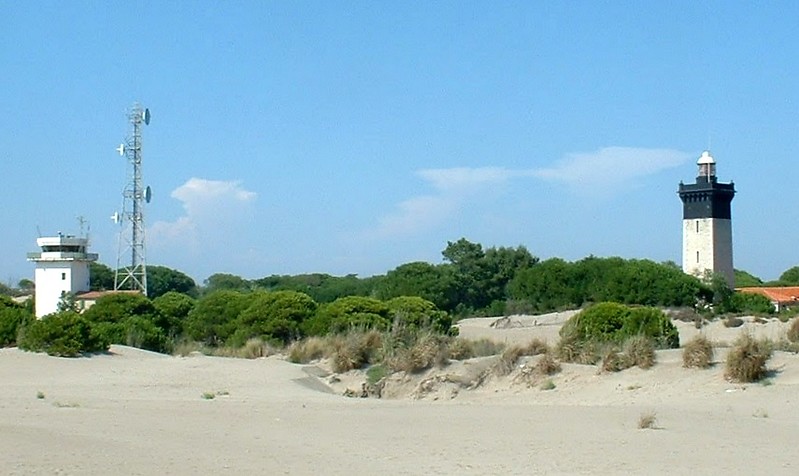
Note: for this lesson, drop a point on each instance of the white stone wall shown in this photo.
(55, 277)
(707, 245)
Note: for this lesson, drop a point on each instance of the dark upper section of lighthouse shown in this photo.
(707, 198)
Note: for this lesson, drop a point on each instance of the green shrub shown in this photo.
(353, 312)
(274, 316)
(418, 313)
(614, 323)
(65, 334)
(698, 353)
(11, 319)
(746, 360)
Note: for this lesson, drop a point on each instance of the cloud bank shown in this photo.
(601, 171)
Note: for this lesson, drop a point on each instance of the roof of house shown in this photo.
(95, 295)
(783, 294)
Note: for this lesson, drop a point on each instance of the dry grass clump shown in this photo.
(547, 365)
(698, 353)
(793, 331)
(462, 349)
(536, 347)
(427, 351)
(354, 350)
(579, 352)
(507, 361)
(647, 421)
(637, 351)
(184, 348)
(308, 350)
(746, 360)
(253, 349)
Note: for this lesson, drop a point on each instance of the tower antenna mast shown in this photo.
(131, 237)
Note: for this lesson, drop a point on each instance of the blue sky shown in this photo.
(352, 137)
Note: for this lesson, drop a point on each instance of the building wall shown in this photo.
(707, 245)
(54, 278)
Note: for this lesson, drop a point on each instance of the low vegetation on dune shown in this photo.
(698, 353)
(746, 359)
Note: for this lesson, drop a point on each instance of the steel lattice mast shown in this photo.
(131, 238)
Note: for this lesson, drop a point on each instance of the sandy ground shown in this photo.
(135, 412)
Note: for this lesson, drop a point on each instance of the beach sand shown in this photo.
(137, 412)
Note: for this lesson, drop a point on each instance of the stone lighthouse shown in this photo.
(707, 223)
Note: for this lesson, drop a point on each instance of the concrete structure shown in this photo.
(707, 223)
(62, 267)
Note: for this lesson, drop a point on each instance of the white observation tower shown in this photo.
(62, 269)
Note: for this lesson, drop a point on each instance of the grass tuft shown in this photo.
(698, 353)
(746, 360)
(547, 365)
(639, 351)
(40, 395)
(647, 421)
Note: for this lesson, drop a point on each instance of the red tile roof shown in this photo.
(784, 294)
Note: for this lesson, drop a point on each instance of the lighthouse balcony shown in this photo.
(62, 256)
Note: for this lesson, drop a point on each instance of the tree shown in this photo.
(26, 285)
(421, 279)
(223, 281)
(213, 318)
(347, 313)
(101, 277)
(746, 280)
(416, 313)
(275, 315)
(12, 317)
(790, 276)
(130, 319)
(161, 280)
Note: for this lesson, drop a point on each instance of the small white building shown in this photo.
(62, 267)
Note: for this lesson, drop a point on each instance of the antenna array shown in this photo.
(131, 236)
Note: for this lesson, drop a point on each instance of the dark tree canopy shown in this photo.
(224, 281)
(101, 277)
(161, 280)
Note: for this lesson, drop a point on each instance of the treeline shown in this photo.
(227, 310)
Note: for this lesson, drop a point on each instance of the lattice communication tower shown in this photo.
(133, 276)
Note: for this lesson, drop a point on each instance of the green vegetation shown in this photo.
(12, 317)
(610, 322)
(65, 334)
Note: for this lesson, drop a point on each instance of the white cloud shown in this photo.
(589, 172)
(213, 211)
(593, 171)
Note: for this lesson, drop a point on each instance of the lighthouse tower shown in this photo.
(707, 223)
(62, 267)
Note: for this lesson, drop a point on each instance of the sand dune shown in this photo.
(135, 412)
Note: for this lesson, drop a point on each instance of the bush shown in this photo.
(11, 319)
(698, 353)
(732, 321)
(354, 312)
(274, 315)
(417, 313)
(66, 334)
(746, 360)
(614, 323)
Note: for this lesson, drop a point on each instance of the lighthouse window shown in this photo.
(697, 256)
(63, 276)
(697, 226)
